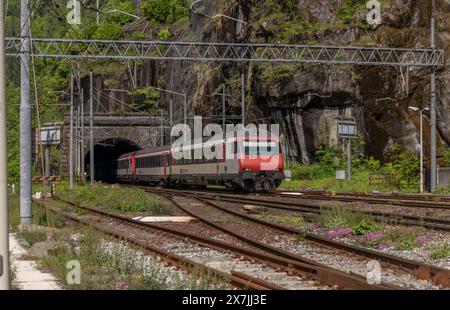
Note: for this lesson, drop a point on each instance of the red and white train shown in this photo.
(255, 165)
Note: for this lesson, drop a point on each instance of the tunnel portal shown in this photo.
(106, 154)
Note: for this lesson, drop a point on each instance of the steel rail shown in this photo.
(308, 209)
(412, 266)
(323, 272)
(237, 279)
(400, 201)
(319, 272)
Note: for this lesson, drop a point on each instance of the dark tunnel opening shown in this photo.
(106, 153)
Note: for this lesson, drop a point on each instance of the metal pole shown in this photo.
(98, 12)
(91, 129)
(161, 130)
(421, 151)
(47, 160)
(171, 111)
(185, 109)
(349, 159)
(4, 225)
(25, 116)
(433, 160)
(77, 140)
(82, 132)
(224, 108)
(243, 97)
(71, 136)
(170, 120)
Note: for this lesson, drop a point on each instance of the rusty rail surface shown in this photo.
(237, 280)
(311, 209)
(432, 272)
(273, 257)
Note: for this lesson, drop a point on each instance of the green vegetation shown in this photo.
(445, 153)
(364, 227)
(32, 237)
(52, 76)
(290, 221)
(114, 198)
(271, 73)
(164, 11)
(400, 238)
(439, 251)
(337, 217)
(146, 99)
(107, 266)
(401, 170)
(108, 32)
(348, 8)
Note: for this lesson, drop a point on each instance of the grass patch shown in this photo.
(439, 251)
(404, 238)
(338, 217)
(359, 183)
(32, 237)
(114, 198)
(290, 221)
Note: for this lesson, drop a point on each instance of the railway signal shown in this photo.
(347, 130)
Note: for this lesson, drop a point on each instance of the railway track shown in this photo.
(237, 279)
(437, 274)
(310, 210)
(266, 255)
(415, 201)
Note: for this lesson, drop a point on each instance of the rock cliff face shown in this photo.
(305, 99)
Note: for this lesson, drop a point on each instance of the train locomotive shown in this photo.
(254, 164)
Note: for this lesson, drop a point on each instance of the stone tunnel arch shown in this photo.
(106, 153)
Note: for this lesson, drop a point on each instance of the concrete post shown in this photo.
(47, 160)
(91, 128)
(224, 108)
(433, 151)
(25, 116)
(71, 136)
(349, 159)
(82, 134)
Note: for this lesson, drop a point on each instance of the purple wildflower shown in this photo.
(338, 232)
(45, 270)
(372, 236)
(121, 285)
(424, 239)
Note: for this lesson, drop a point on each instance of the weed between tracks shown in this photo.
(290, 221)
(439, 251)
(114, 266)
(104, 264)
(113, 198)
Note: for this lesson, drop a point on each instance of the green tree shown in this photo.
(108, 31)
(146, 99)
(118, 17)
(164, 11)
(445, 153)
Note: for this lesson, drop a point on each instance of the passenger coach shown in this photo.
(254, 164)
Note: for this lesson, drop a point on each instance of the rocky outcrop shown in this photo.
(305, 99)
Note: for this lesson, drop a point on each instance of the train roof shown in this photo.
(147, 152)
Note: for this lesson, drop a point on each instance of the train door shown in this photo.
(133, 167)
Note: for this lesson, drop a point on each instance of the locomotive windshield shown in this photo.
(261, 148)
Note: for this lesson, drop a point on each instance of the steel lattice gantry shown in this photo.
(141, 50)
